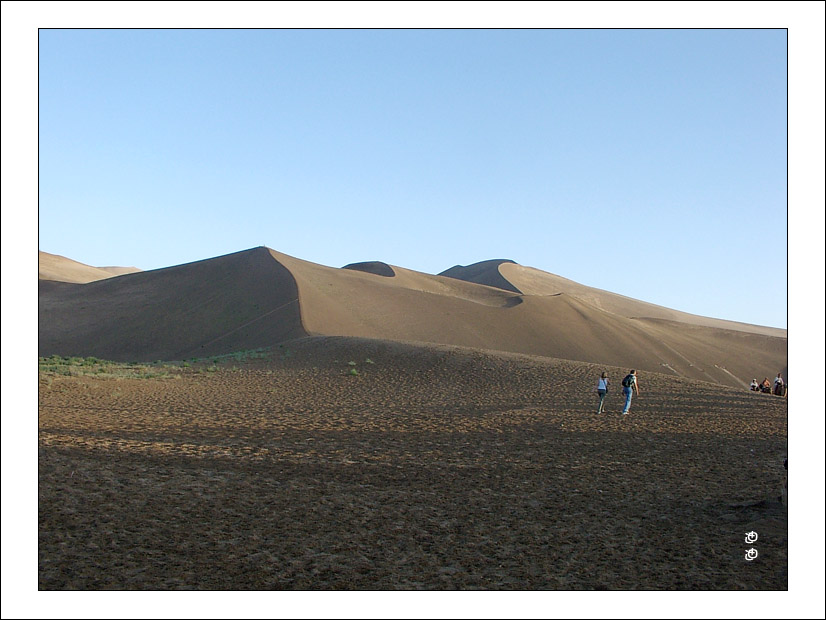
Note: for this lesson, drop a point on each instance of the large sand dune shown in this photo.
(231, 303)
(508, 275)
(259, 297)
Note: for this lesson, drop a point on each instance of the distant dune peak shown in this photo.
(484, 265)
(61, 269)
(485, 272)
(377, 268)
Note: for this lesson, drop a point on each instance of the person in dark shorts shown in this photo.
(602, 390)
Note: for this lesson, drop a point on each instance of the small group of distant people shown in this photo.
(629, 385)
(778, 388)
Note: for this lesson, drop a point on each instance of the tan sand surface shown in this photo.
(62, 269)
(412, 306)
(430, 467)
(531, 281)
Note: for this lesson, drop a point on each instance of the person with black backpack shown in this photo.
(629, 384)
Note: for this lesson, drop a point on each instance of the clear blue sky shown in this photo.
(651, 163)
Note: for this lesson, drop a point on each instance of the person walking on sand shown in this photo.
(629, 384)
(602, 390)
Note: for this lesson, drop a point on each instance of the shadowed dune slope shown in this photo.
(61, 269)
(260, 297)
(487, 273)
(231, 303)
(375, 267)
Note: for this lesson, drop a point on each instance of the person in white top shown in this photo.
(778, 385)
(602, 390)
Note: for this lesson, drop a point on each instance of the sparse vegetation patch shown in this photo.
(92, 366)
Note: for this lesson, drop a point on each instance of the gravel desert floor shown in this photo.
(343, 464)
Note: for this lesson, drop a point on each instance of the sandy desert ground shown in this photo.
(351, 464)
